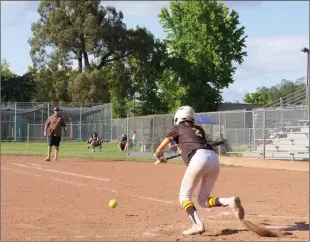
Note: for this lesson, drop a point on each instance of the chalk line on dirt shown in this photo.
(95, 187)
(63, 172)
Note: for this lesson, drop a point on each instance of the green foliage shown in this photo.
(5, 69)
(52, 85)
(130, 67)
(88, 87)
(204, 39)
(18, 88)
(264, 95)
(117, 77)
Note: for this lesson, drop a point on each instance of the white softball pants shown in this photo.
(205, 167)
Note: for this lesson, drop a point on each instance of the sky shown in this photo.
(277, 30)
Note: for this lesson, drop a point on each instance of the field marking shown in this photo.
(150, 198)
(95, 187)
(63, 172)
(64, 237)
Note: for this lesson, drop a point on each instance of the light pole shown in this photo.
(306, 50)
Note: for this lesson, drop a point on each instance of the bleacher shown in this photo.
(283, 129)
(290, 143)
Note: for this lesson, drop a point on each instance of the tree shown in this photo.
(264, 95)
(88, 87)
(52, 84)
(76, 30)
(17, 88)
(204, 40)
(5, 69)
(258, 98)
(118, 79)
(146, 71)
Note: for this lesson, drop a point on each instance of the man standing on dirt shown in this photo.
(54, 123)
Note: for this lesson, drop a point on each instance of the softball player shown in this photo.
(202, 165)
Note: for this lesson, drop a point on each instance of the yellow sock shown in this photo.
(214, 202)
(190, 209)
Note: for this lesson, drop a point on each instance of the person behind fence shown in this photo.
(122, 145)
(54, 125)
(134, 137)
(94, 141)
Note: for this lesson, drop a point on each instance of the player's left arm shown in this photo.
(64, 125)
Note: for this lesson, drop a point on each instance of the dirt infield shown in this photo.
(68, 200)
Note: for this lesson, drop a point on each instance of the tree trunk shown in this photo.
(86, 60)
(83, 50)
(80, 64)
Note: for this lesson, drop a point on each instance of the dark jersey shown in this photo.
(189, 138)
(124, 140)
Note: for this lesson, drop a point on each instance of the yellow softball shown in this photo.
(112, 203)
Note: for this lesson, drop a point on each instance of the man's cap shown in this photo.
(56, 109)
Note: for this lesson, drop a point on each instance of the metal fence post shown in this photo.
(127, 129)
(308, 95)
(225, 124)
(264, 134)
(111, 123)
(27, 133)
(15, 123)
(220, 131)
(48, 114)
(118, 128)
(42, 110)
(80, 128)
(244, 126)
(153, 138)
(253, 129)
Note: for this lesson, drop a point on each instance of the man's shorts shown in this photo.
(53, 140)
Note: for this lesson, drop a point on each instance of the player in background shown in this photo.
(202, 165)
(122, 145)
(54, 124)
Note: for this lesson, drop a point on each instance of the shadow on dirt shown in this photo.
(299, 226)
(285, 229)
(228, 232)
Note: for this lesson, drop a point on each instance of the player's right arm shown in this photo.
(172, 135)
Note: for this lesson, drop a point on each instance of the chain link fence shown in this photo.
(235, 126)
(20, 121)
(243, 129)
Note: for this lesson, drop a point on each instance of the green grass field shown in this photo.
(67, 150)
(75, 150)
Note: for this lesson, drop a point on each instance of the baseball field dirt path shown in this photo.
(68, 200)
